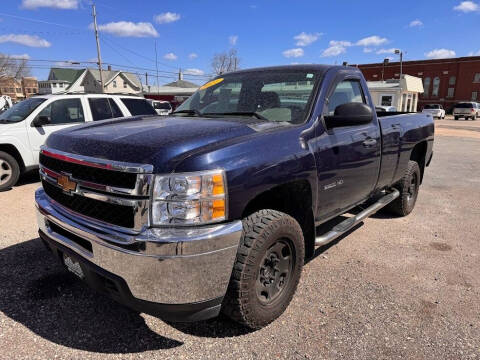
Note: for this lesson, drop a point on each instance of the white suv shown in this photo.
(436, 110)
(25, 126)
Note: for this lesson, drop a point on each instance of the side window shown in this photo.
(100, 108)
(64, 111)
(347, 91)
(139, 106)
(115, 109)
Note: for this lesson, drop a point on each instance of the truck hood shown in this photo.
(160, 141)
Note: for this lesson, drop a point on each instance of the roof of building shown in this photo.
(182, 84)
(109, 75)
(70, 75)
(424, 62)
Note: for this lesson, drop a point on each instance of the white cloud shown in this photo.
(471, 53)
(128, 29)
(336, 48)
(165, 18)
(295, 53)
(233, 40)
(386, 51)
(27, 40)
(192, 56)
(440, 54)
(467, 6)
(415, 23)
(194, 72)
(55, 4)
(20, 56)
(170, 56)
(372, 41)
(367, 50)
(304, 39)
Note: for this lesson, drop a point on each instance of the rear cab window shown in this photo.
(138, 106)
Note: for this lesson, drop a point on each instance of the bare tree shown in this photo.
(225, 62)
(13, 67)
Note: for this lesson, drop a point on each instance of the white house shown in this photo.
(402, 94)
(62, 80)
(114, 82)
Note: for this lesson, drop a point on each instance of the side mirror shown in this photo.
(40, 121)
(349, 114)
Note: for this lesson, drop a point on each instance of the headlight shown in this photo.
(189, 199)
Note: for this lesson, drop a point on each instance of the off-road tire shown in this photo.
(404, 204)
(10, 171)
(261, 232)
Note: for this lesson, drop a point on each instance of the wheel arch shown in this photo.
(419, 154)
(13, 151)
(293, 198)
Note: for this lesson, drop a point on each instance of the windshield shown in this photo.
(432, 107)
(21, 110)
(161, 106)
(272, 95)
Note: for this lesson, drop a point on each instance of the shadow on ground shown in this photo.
(29, 177)
(38, 293)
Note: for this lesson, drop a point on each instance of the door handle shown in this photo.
(370, 142)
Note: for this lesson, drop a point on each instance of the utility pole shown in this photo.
(99, 55)
(156, 65)
(146, 78)
(400, 52)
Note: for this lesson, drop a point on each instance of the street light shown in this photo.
(399, 52)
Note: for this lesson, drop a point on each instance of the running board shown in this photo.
(349, 223)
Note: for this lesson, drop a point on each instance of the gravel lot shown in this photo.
(405, 288)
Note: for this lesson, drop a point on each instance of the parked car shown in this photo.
(221, 215)
(25, 126)
(436, 110)
(161, 107)
(5, 103)
(467, 110)
(386, 108)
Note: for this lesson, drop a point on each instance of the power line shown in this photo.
(40, 21)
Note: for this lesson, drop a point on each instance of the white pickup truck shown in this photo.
(25, 126)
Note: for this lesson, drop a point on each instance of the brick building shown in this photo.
(445, 81)
(29, 86)
(18, 89)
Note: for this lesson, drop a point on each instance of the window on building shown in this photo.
(11, 90)
(54, 85)
(386, 100)
(64, 111)
(436, 86)
(474, 95)
(60, 85)
(114, 83)
(124, 84)
(426, 86)
(19, 90)
(451, 92)
(476, 78)
(452, 80)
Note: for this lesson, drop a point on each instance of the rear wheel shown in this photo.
(456, 117)
(267, 269)
(408, 187)
(9, 171)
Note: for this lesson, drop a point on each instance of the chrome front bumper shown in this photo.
(168, 265)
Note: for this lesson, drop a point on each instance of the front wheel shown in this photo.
(408, 187)
(9, 171)
(267, 269)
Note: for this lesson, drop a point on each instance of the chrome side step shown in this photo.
(349, 223)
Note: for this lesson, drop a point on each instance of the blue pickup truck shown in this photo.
(215, 207)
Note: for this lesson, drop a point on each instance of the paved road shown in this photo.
(395, 288)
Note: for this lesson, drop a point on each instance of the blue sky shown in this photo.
(264, 32)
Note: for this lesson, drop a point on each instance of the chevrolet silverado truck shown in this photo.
(215, 207)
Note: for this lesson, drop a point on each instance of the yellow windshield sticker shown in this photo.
(211, 83)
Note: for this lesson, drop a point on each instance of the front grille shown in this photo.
(88, 173)
(120, 215)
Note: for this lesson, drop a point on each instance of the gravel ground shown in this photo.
(392, 288)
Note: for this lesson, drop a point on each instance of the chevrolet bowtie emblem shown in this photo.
(66, 184)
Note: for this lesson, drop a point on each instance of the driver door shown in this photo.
(59, 114)
(347, 157)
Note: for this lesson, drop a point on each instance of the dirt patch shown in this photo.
(440, 246)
